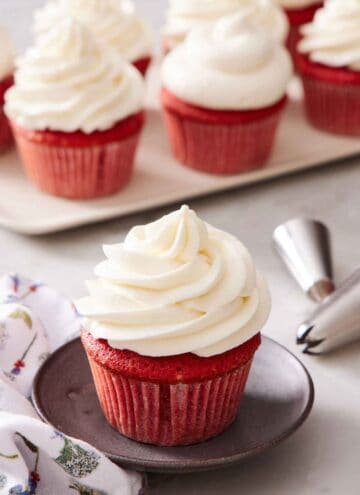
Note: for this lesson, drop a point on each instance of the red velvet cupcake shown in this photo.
(78, 165)
(170, 342)
(223, 94)
(6, 137)
(176, 400)
(115, 24)
(298, 15)
(6, 80)
(76, 120)
(329, 65)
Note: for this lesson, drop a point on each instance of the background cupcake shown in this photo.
(114, 22)
(172, 324)
(223, 92)
(299, 12)
(329, 63)
(184, 15)
(76, 112)
(6, 80)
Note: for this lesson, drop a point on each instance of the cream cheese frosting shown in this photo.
(114, 22)
(174, 286)
(184, 15)
(231, 65)
(333, 38)
(69, 82)
(7, 52)
(297, 4)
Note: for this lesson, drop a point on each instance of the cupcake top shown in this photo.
(175, 286)
(7, 52)
(298, 4)
(231, 65)
(68, 82)
(114, 22)
(184, 15)
(333, 38)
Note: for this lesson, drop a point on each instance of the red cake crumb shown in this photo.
(171, 102)
(184, 368)
(336, 75)
(120, 131)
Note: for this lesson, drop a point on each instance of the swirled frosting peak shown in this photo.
(333, 38)
(7, 55)
(174, 286)
(68, 82)
(184, 15)
(114, 23)
(231, 65)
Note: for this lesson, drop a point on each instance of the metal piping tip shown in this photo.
(304, 246)
(303, 333)
(335, 322)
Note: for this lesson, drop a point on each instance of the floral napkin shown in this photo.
(34, 459)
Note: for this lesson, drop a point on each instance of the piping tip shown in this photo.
(304, 247)
(335, 322)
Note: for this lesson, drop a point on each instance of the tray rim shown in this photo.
(257, 177)
(199, 465)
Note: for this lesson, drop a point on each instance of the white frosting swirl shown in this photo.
(175, 286)
(231, 65)
(6, 56)
(333, 38)
(115, 24)
(184, 15)
(69, 82)
(297, 4)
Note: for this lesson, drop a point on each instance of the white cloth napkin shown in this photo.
(34, 459)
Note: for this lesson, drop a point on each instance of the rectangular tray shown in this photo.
(159, 178)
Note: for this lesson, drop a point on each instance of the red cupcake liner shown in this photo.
(332, 107)
(6, 137)
(142, 65)
(169, 414)
(79, 166)
(220, 142)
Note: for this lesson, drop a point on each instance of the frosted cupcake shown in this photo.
(172, 324)
(76, 112)
(299, 12)
(329, 63)
(6, 80)
(223, 93)
(114, 22)
(184, 15)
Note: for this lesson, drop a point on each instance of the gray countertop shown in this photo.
(323, 456)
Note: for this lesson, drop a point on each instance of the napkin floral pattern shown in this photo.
(34, 459)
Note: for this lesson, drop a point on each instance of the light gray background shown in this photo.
(323, 457)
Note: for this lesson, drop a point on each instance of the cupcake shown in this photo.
(6, 80)
(114, 22)
(171, 326)
(76, 112)
(184, 15)
(223, 91)
(329, 64)
(298, 12)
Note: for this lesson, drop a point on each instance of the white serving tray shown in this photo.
(159, 179)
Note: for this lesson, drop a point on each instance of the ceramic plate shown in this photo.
(278, 398)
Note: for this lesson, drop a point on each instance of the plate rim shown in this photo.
(188, 466)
